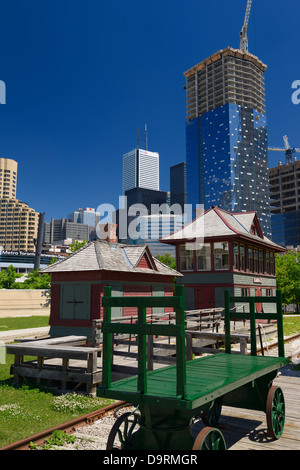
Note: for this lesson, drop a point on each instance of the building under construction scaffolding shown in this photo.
(226, 134)
(285, 203)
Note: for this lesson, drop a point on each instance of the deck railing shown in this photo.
(253, 316)
(143, 329)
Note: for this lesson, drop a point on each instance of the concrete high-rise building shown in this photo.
(140, 170)
(63, 229)
(87, 216)
(226, 134)
(8, 178)
(285, 203)
(18, 222)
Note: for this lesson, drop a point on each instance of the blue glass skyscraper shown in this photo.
(226, 135)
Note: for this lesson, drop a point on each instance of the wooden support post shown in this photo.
(142, 353)
(279, 324)
(150, 361)
(180, 345)
(189, 346)
(227, 322)
(253, 326)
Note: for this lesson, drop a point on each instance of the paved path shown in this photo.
(11, 335)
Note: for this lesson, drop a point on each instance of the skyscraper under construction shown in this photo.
(226, 134)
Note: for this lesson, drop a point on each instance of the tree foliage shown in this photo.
(77, 245)
(288, 277)
(34, 280)
(168, 260)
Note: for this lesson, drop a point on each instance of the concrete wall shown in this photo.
(18, 302)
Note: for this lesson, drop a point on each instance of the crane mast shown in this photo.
(243, 33)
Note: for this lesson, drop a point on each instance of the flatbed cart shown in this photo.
(169, 398)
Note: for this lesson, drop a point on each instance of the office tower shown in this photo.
(156, 226)
(18, 222)
(226, 134)
(178, 184)
(141, 170)
(63, 229)
(18, 225)
(8, 178)
(87, 216)
(285, 203)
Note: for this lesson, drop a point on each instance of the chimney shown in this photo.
(108, 232)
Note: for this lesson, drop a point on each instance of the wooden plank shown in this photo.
(51, 351)
(173, 301)
(56, 374)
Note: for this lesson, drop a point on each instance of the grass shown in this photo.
(27, 410)
(19, 323)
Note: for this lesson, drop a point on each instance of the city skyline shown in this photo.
(82, 81)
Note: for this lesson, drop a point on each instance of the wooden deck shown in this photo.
(247, 429)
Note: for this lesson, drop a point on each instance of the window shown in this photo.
(272, 263)
(268, 292)
(186, 259)
(244, 291)
(255, 261)
(249, 259)
(221, 256)
(236, 258)
(261, 261)
(267, 262)
(242, 257)
(203, 258)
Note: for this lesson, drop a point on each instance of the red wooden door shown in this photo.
(259, 307)
(204, 297)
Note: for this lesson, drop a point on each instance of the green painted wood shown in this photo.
(253, 327)
(227, 322)
(154, 301)
(253, 316)
(207, 378)
(180, 345)
(142, 353)
(143, 329)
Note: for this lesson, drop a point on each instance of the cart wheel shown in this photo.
(122, 429)
(275, 412)
(209, 439)
(211, 417)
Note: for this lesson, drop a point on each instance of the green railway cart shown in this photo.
(169, 398)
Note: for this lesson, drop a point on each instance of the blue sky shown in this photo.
(82, 77)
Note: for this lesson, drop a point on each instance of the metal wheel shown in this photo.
(275, 412)
(209, 439)
(121, 432)
(211, 417)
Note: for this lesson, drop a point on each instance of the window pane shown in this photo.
(203, 258)
(186, 259)
(221, 255)
(242, 257)
(236, 256)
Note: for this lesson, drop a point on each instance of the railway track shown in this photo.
(83, 427)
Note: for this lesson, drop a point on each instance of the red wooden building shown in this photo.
(77, 283)
(233, 254)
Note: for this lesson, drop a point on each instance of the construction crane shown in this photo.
(243, 33)
(289, 151)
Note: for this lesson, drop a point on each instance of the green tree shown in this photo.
(36, 280)
(8, 278)
(288, 277)
(77, 245)
(168, 260)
